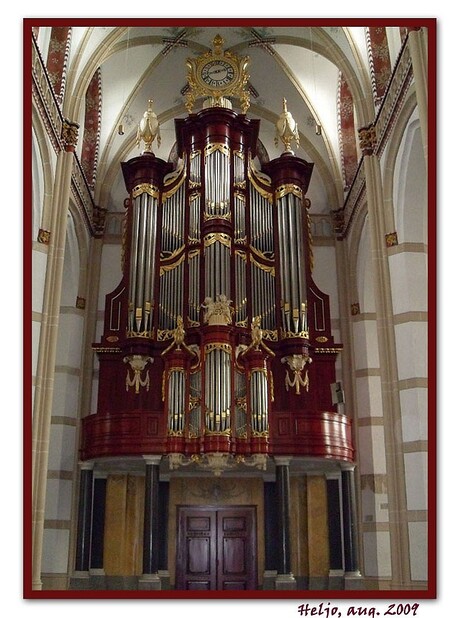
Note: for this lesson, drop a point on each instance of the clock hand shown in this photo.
(216, 71)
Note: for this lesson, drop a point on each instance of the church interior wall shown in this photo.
(406, 206)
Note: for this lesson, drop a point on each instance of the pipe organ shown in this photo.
(217, 339)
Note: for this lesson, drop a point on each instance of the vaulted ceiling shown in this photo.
(303, 64)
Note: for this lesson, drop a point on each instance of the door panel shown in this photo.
(216, 548)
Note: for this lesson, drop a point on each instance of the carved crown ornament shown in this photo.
(217, 74)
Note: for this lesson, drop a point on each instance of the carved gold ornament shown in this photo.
(137, 362)
(148, 129)
(286, 129)
(297, 363)
(217, 74)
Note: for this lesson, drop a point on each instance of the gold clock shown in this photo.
(217, 74)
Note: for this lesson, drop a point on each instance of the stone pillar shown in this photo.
(85, 509)
(150, 579)
(350, 523)
(394, 456)
(48, 343)
(334, 516)
(285, 579)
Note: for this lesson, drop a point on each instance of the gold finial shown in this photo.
(218, 42)
(286, 129)
(148, 129)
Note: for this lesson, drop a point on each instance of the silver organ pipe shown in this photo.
(240, 219)
(238, 167)
(194, 229)
(143, 243)
(240, 404)
(292, 262)
(259, 401)
(217, 395)
(240, 288)
(173, 222)
(133, 264)
(194, 287)
(217, 183)
(176, 400)
(171, 300)
(261, 222)
(195, 404)
(217, 265)
(195, 167)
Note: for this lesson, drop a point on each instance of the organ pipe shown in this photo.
(234, 256)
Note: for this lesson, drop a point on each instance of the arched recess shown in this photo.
(37, 188)
(83, 243)
(390, 166)
(42, 166)
(411, 198)
(353, 246)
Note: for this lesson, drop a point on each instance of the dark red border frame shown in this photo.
(301, 595)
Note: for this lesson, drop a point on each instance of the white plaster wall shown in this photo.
(416, 471)
(418, 547)
(408, 273)
(365, 344)
(66, 394)
(374, 507)
(94, 394)
(39, 261)
(62, 453)
(377, 555)
(364, 272)
(371, 450)
(37, 187)
(414, 414)
(411, 350)
(110, 272)
(325, 275)
(69, 347)
(369, 396)
(58, 499)
(55, 551)
(36, 328)
(394, 43)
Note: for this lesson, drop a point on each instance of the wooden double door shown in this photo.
(216, 548)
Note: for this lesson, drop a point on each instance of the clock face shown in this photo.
(217, 73)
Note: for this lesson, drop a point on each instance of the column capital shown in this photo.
(367, 139)
(348, 467)
(86, 465)
(282, 461)
(69, 135)
(152, 460)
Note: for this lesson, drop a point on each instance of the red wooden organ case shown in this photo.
(217, 339)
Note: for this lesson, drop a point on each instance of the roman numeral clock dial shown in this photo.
(217, 74)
